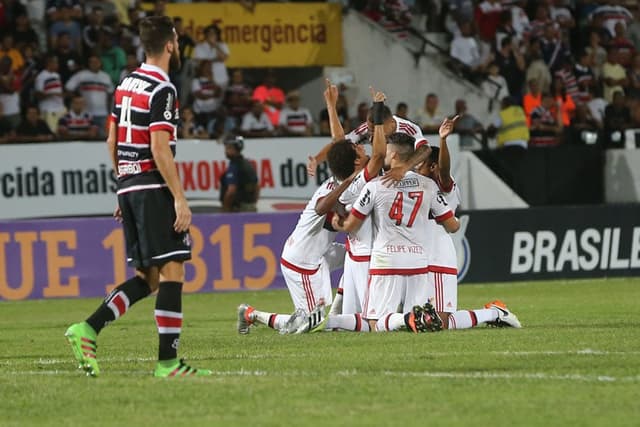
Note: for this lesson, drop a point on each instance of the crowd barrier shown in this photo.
(231, 252)
(567, 174)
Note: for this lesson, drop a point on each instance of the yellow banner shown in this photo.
(272, 34)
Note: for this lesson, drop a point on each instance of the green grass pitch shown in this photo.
(576, 362)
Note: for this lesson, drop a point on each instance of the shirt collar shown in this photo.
(149, 67)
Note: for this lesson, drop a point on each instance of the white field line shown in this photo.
(583, 352)
(482, 375)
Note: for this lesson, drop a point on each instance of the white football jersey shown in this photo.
(401, 225)
(359, 242)
(443, 256)
(361, 133)
(310, 240)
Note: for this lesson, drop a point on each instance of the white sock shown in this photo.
(336, 307)
(272, 320)
(390, 322)
(347, 322)
(466, 319)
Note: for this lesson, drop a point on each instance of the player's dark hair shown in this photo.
(433, 156)
(403, 144)
(386, 114)
(155, 33)
(341, 157)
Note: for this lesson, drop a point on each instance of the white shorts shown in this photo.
(354, 285)
(393, 293)
(307, 288)
(444, 289)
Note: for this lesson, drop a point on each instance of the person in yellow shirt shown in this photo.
(510, 125)
(7, 49)
(614, 76)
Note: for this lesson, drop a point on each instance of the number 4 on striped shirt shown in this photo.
(125, 116)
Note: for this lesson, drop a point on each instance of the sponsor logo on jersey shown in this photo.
(364, 201)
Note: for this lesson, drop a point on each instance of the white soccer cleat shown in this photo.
(245, 318)
(297, 319)
(505, 317)
(315, 321)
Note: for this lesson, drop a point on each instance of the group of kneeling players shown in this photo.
(397, 207)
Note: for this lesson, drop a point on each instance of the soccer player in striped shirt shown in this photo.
(151, 203)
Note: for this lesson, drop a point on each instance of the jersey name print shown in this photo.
(144, 102)
(400, 215)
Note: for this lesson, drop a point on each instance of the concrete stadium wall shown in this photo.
(375, 57)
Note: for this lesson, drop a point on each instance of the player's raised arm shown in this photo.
(328, 202)
(444, 160)
(395, 174)
(379, 151)
(337, 132)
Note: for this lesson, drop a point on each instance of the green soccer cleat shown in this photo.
(177, 368)
(82, 339)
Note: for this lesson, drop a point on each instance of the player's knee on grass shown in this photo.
(444, 316)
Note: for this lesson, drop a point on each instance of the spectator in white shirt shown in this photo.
(48, 87)
(295, 120)
(256, 123)
(96, 87)
(430, 117)
(207, 94)
(215, 50)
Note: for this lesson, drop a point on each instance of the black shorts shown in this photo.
(148, 217)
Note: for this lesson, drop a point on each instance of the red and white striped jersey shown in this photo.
(49, 83)
(309, 241)
(443, 256)
(401, 229)
(144, 102)
(295, 120)
(361, 133)
(358, 242)
(95, 88)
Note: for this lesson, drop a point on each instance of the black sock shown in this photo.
(169, 319)
(118, 302)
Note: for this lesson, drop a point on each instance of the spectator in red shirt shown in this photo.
(487, 17)
(623, 45)
(271, 96)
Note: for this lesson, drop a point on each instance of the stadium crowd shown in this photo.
(561, 70)
(572, 66)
